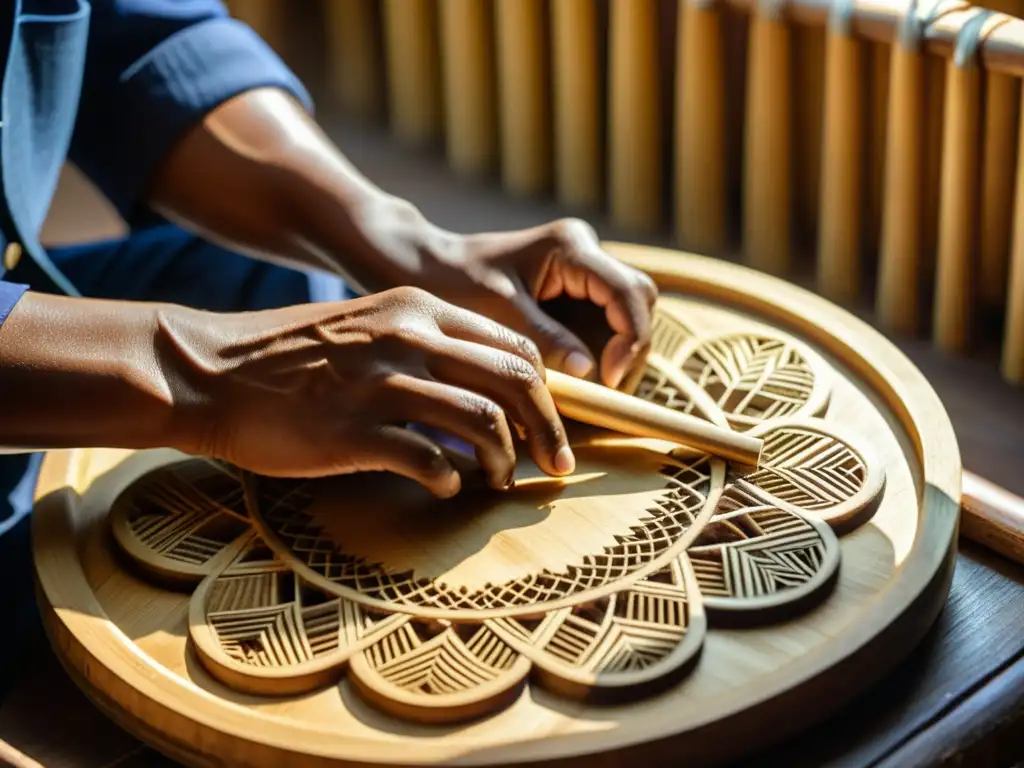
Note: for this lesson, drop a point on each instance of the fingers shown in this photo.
(466, 415)
(411, 455)
(515, 384)
(627, 295)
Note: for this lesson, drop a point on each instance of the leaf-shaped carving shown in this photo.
(438, 672)
(821, 469)
(758, 560)
(259, 628)
(756, 378)
(176, 521)
(630, 642)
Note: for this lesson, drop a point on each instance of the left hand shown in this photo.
(505, 276)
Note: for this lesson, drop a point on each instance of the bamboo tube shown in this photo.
(634, 116)
(354, 56)
(577, 112)
(898, 302)
(961, 175)
(608, 408)
(1000, 159)
(809, 69)
(767, 204)
(935, 109)
(414, 84)
(524, 113)
(700, 173)
(1013, 336)
(880, 55)
(471, 120)
(841, 163)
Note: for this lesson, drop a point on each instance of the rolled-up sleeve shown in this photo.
(154, 69)
(10, 294)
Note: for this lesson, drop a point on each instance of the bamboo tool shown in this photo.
(992, 516)
(604, 407)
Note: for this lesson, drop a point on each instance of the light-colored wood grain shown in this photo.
(700, 171)
(523, 94)
(467, 54)
(577, 103)
(767, 184)
(138, 648)
(354, 56)
(634, 116)
(842, 177)
(413, 70)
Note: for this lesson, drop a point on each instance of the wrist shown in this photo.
(81, 373)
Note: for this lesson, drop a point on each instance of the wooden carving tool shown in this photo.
(604, 407)
(992, 516)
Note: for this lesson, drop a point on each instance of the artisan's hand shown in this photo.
(259, 175)
(505, 275)
(327, 389)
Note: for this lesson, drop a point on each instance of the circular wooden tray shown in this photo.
(662, 607)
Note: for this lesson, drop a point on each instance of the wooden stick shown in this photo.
(992, 516)
(413, 64)
(608, 408)
(355, 64)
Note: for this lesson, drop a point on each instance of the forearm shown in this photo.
(78, 372)
(261, 177)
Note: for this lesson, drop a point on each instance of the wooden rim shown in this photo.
(138, 692)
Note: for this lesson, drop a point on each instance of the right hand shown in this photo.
(325, 389)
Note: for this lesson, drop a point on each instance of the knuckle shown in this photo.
(520, 372)
(572, 229)
(431, 462)
(490, 416)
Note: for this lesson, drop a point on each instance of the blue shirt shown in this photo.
(110, 85)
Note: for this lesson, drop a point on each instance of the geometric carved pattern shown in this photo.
(289, 600)
(285, 519)
(754, 555)
(753, 378)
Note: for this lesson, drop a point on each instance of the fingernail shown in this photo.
(565, 462)
(578, 364)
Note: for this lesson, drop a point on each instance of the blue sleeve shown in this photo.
(154, 69)
(10, 294)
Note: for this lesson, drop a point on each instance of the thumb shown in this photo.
(561, 349)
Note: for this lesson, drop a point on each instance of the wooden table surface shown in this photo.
(959, 699)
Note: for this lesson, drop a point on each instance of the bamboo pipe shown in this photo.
(609, 408)
(354, 56)
(1001, 111)
(767, 192)
(471, 120)
(1013, 335)
(959, 205)
(992, 516)
(898, 293)
(576, 98)
(842, 183)
(524, 113)
(634, 116)
(414, 84)
(700, 128)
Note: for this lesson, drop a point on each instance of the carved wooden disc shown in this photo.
(357, 619)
